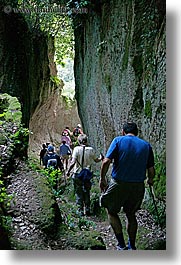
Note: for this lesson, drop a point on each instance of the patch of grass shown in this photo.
(12, 108)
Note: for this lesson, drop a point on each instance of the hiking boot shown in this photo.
(131, 247)
(118, 247)
(80, 213)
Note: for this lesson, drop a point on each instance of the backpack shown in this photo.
(52, 161)
(85, 176)
(76, 132)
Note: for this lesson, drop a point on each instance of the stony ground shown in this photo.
(27, 233)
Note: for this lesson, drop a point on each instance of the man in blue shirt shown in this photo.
(132, 157)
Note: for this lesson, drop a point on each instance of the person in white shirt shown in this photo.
(83, 156)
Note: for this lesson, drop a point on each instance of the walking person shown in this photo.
(52, 161)
(131, 157)
(77, 130)
(65, 152)
(83, 157)
(42, 153)
(65, 137)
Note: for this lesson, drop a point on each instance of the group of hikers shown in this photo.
(132, 161)
(68, 141)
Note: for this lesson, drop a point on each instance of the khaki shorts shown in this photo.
(128, 195)
(65, 156)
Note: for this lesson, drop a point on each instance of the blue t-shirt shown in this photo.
(132, 156)
(65, 149)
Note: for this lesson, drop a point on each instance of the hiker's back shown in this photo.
(77, 131)
(89, 155)
(52, 161)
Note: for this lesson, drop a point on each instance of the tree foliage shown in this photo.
(52, 18)
(55, 18)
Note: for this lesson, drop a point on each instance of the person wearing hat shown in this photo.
(52, 161)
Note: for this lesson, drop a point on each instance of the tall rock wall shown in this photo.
(24, 62)
(120, 70)
(48, 121)
(27, 69)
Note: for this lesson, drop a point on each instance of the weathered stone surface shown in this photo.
(24, 62)
(49, 120)
(120, 71)
(26, 67)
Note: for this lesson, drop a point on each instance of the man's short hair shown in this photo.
(130, 127)
(82, 139)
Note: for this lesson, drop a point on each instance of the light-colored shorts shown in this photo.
(65, 156)
(128, 195)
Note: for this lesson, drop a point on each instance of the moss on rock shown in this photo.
(82, 240)
(148, 109)
(48, 216)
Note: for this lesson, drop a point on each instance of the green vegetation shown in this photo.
(55, 80)
(5, 198)
(79, 231)
(51, 17)
(160, 178)
(148, 110)
(54, 19)
(10, 109)
(13, 145)
(159, 192)
(64, 193)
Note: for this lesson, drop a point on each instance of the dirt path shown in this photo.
(152, 234)
(25, 232)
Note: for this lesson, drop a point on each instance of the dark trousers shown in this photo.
(82, 195)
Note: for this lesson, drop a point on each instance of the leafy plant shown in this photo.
(53, 176)
(55, 80)
(20, 140)
(5, 199)
(49, 17)
(159, 190)
(71, 217)
(158, 213)
(10, 109)
(160, 177)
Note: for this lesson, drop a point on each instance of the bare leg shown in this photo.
(132, 227)
(66, 164)
(116, 225)
(63, 161)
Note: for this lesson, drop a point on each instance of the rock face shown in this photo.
(48, 121)
(24, 62)
(120, 70)
(27, 69)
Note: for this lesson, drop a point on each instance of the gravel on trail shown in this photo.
(27, 233)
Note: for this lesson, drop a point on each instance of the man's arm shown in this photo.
(98, 159)
(104, 168)
(151, 175)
